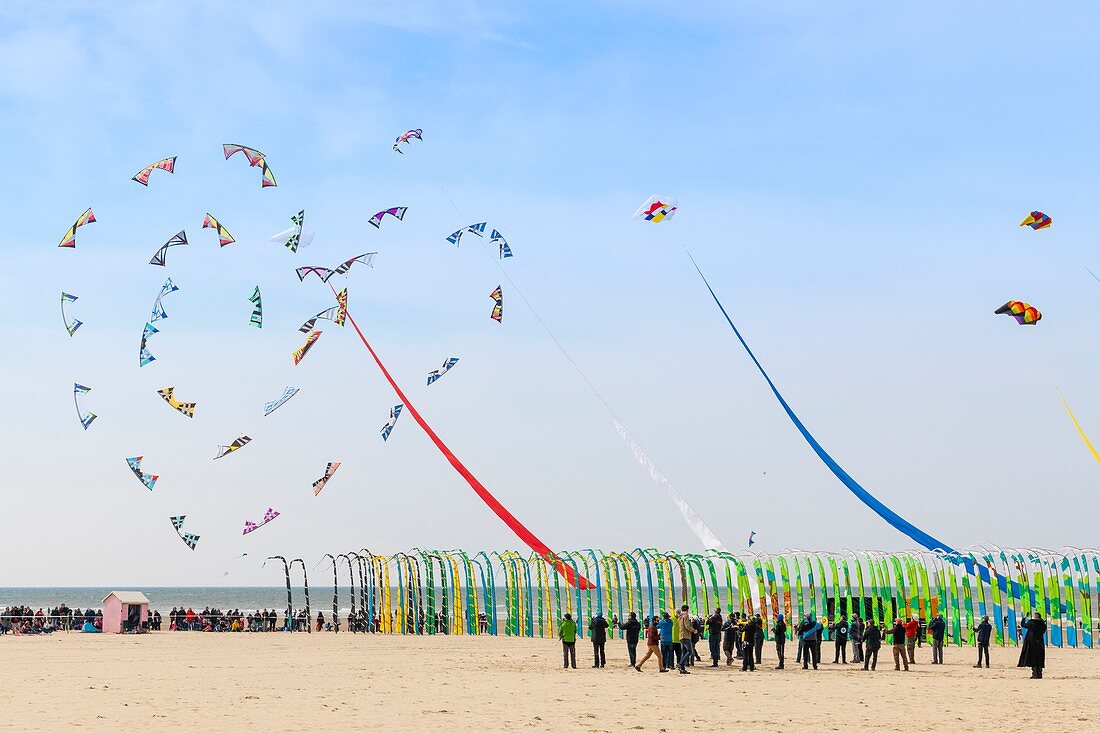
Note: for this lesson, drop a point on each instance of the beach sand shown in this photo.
(329, 682)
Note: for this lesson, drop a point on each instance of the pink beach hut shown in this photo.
(124, 610)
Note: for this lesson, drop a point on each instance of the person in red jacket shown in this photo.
(912, 628)
(653, 646)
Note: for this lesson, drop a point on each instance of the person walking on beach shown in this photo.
(780, 633)
(984, 631)
(729, 638)
(665, 629)
(653, 646)
(632, 627)
(567, 632)
(912, 630)
(1033, 653)
(320, 621)
(749, 635)
(872, 641)
(811, 644)
(598, 627)
(840, 639)
(898, 638)
(937, 628)
(855, 634)
(714, 636)
(687, 654)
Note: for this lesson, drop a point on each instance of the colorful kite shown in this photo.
(320, 483)
(253, 526)
(397, 212)
(498, 239)
(478, 229)
(184, 408)
(322, 273)
(656, 209)
(191, 540)
(224, 237)
(224, 450)
(395, 413)
(1037, 220)
(436, 374)
(255, 158)
(363, 259)
(257, 318)
(405, 137)
(270, 407)
(1080, 430)
(1024, 313)
(168, 164)
(300, 354)
(69, 240)
(86, 418)
(177, 240)
(498, 305)
(158, 307)
(144, 355)
(148, 479)
(70, 325)
(752, 538)
(297, 235)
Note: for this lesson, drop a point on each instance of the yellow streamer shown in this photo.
(1079, 430)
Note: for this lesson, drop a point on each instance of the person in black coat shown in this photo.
(749, 636)
(984, 631)
(1033, 653)
(872, 642)
(598, 627)
(714, 636)
(632, 627)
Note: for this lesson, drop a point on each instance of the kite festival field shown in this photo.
(340, 682)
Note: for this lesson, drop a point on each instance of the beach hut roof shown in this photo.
(129, 597)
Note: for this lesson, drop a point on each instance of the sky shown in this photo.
(850, 178)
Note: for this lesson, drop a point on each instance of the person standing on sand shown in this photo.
(567, 632)
(598, 627)
(632, 627)
(840, 639)
(937, 628)
(320, 621)
(687, 653)
(729, 638)
(780, 633)
(898, 638)
(855, 634)
(799, 630)
(1033, 653)
(653, 647)
(714, 636)
(666, 629)
(758, 643)
(912, 631)
(872, 640)
(749, 635)
(811, 649)
(984, 630)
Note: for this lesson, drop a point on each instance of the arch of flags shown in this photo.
(521, 595)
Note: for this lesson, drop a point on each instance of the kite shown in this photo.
(257, 318)
(436, 374)
(224, 450)
(388, 427)
(270, 407)
(144, 355)
(142, 176)
(1037, 220)
(297, 235)
(656, 209)
(224, 237)
(405, 137)
(300, 354)
(74, 324)
(255, 158)
(363, 259)
(1024, 313)
(177, 240)
(502, 244)
(336, 313)
(69, 240)
(752, 538)
(191, 540)
(86, 418)
(498, 305)
(148, 479)
(397, 212)
(478, 229)
(1080, 431)
(329, 470)
(253, 526)
(158, 308)
(322, 273)
(184, 408)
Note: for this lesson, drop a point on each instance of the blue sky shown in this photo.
(850, 178)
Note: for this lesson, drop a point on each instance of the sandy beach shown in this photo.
(327, 682)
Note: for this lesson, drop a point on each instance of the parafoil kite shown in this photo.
(184, 408)
(752, 538)
(255, 158)
(1024, 313)
(296, 236)
(177, 240)
(498, 239)
(168, 164)
(300, 353)
(86, 418)
(224, 237)
(224, 450)
(406, 136)
(656, 209)
(144, 355)
(70, 325)
(191, 540)
(498, 304)
(395, 413)
(257, 318)
(147, 479)
(397, 212)
(69, 240)
(253, 526)
(436, 374)
(270, 407)
(478, 229)
(1037, 220)
(320, 483)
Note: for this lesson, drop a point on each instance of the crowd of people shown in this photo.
(673, 641)
(26, 620)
